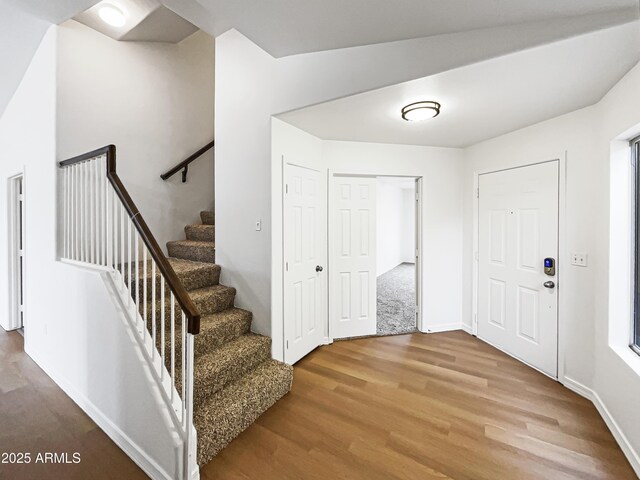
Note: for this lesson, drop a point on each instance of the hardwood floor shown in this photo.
(439, 406)
(37, 417)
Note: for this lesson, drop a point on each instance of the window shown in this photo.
(635, 330)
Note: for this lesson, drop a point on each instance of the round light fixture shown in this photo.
(112, 15)
(415, 112)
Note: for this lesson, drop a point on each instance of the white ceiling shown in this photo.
(288, 27)
(486, 99)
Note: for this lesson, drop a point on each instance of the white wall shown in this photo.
(20, 35)
(72, 329)
(591, 362)
(155, 102)
(394, 226)
(409, 222)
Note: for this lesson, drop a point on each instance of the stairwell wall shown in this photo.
(155, 102)
(72, 328)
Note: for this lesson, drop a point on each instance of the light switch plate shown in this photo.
(579, 259)
(258, 225)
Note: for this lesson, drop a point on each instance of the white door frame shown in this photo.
(16, 228)
(562, 254)
(331, 249)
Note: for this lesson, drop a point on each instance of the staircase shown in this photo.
(210, 377)
(235, 379)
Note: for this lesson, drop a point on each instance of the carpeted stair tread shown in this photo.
(207, 217)
(222, 366)
(208, 300)
(230, 411)
(219, 328)
(200, 233)
(216, 330)
(213, 299)
(192, 250)
(192, 275)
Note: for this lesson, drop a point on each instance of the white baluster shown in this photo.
(184, 366)
(136, 273)
(144, 289)
(65, 214)
(162, 327)
(129, 256)
(173, 343)
(108, 225)
(153, 306)
(122, 246)
(76, 212)
(82, 210)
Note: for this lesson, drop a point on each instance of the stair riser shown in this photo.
(200, 233)
(191, 281)
(206, 341)
(231, 370)
(217, 428)
(208, 218)
(213, 302)
(193, 253)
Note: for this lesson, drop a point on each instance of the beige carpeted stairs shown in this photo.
(235, 379)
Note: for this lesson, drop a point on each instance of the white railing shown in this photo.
(102, 229)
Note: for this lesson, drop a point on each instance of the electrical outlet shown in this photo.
(258, 225)
(579, 259)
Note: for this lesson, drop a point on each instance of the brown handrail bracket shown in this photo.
(184, 165)
(184, 300)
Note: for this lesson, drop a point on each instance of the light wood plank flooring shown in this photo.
(36, 416)
(439, 406)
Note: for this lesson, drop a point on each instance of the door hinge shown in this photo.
(286, 188)
(477, 193)
(286, 266)
(417, 196)
(287, 344)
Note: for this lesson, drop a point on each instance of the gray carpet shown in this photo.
(397, 300)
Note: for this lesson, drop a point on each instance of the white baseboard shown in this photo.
(466, 328)
(444, 327)
(122, 440)
(616, 431)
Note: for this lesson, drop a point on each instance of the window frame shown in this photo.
(634, 342)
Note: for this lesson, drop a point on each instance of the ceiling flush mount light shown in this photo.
(414, 112)
(112, 15)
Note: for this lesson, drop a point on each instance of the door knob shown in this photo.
(318, 268)
(549, 284)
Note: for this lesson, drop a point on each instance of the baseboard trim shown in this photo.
(616, 431)
(466, 328)
(122, 440)
(443, 327)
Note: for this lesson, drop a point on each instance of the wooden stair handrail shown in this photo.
(184, 300)
(184, 165)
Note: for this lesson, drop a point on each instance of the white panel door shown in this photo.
(353, 278)
(305, 286)
(518, 229)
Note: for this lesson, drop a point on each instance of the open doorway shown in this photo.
(396, 253)
(16, 252)
(374, 258)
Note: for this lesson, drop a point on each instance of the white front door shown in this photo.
(518, 229)
(353, 278)
(305, 289)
